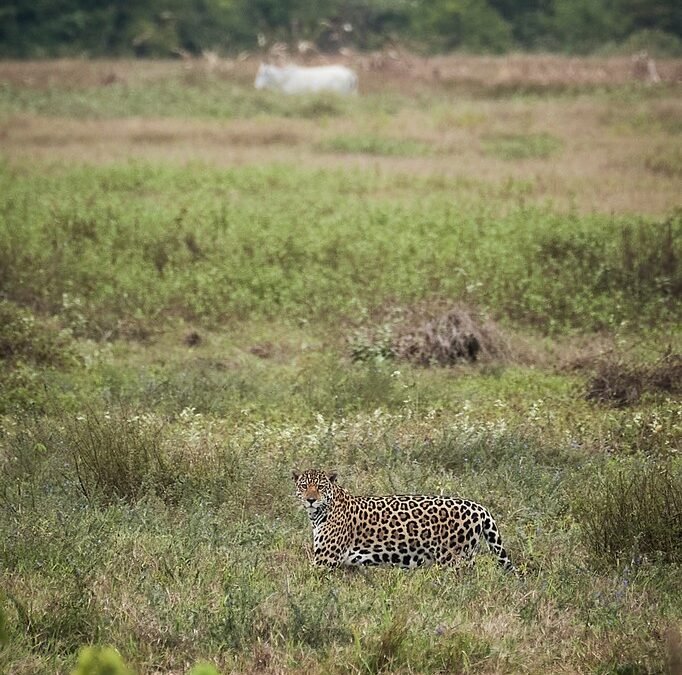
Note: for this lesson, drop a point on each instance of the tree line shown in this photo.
(161, 28)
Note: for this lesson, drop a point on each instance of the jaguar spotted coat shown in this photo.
(404, 530)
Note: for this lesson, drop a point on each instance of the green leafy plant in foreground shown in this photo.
(100, 661)
(107, 661)
(203, 669)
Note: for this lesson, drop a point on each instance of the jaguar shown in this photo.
(402, 530)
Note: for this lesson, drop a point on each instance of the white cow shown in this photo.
(298, 80)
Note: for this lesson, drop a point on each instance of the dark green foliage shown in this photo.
(465, 24)
(633, 510)
(656, 43)
(171, 27)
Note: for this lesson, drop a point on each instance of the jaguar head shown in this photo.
(314, 488)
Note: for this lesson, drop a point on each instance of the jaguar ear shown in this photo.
(332, 476)
(295, 474)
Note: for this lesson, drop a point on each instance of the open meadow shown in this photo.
(203, 287)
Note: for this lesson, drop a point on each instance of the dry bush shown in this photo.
(458, 335)
(620, 383)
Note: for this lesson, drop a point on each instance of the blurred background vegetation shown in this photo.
(161, 28)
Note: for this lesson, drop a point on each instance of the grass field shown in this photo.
(203, 287)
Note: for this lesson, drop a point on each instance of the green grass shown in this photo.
(522, 146)
(376, 145)
(78, 568)
(208, 98)
(123, 249)
(175, 339)
(118, 495)
(195, 95)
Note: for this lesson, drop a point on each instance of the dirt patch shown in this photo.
(263, 350)
(192, 339)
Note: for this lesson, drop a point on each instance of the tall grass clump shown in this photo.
(117, 456)
(633, 510)
(400, 644)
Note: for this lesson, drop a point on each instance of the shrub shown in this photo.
(657, 43)
(29, 347)
(633, 510)
(376, 345)
(24, 338)
(458, 335)
(620, 383)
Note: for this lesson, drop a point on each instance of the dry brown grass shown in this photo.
(458, 335)
(392, 69)
(619, 383)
